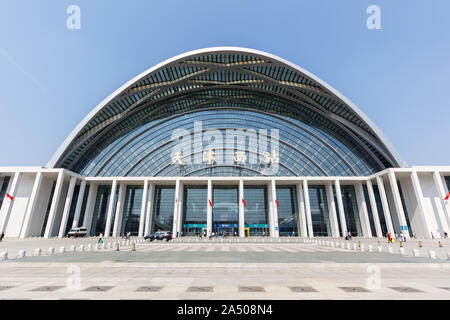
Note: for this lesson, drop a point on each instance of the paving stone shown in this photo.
(98, 288)
(47, 288)
(149, 289)
(354, 289)
(251, 289)
(405, 289)
(200, 289)
(303, 289)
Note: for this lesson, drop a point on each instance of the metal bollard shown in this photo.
(4, 255)
(117, 247)
(37, 252)
(133, 247)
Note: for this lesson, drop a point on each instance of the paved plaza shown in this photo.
(189, 268)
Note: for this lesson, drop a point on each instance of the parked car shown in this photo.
(77, 232)
(159, 235)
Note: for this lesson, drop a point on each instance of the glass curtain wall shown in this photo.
(163, 208)
(195, 201)
(380, 210)
(319, 211)
(351, 210)
(100, 210)
(287, 210)
(132, 210)
(225, 210)
(369, 211)
(256, 211)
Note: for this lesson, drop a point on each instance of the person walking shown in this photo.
(445, 235)
(389, 237)
(432, 235)
(100, 240)
(2, 236)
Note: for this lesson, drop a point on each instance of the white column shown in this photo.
(175, 209)
(149, 213)
(112, 198)
(79, 204)
(337, 185)
(445, 216)
(119, 209)
(308, 209)
(385, 205)
(420, 204)
(332, 210)
(398, 201)
(209, 211)
(241, 209)
(275, 209)
(362, 208)
(67, 204)
(54, 206)
(303, 231)
(373, 206)
(90, 206)
(31, 204)
(143, 204)
(7, 203)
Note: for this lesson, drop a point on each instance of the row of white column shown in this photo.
(336, 210)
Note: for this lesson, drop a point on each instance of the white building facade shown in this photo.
(232, 141)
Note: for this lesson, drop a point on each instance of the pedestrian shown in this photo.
(389, 237)
(2, 236)
(100, 240)
(432, 235)
(445, 235)
(401, 236)
(414, 234)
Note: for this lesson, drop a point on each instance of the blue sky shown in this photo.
(51, 77)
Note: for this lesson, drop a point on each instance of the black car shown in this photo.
(159, 235)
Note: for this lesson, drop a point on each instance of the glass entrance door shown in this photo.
(225, 210)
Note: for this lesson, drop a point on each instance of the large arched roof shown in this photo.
(234, 69)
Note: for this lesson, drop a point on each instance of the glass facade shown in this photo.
(369, 211)
(132, 210)
(287, 210)
(319, 211)
(380, 210)
(195, 201)
(408, 224)
(100, 210)
(225, 211)
(351, 210)
(3, 188)
(256, 220)
(305, 147)
(163, 208)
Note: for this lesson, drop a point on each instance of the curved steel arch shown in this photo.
(372, 135)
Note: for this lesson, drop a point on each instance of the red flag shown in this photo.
(10, 196)
(176, 200)
(245, 205)
(210, 203)
(447, 196)
(277, 203)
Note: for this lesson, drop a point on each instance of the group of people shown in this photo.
(396, 237)
(126, 236)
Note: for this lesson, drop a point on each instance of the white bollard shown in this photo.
(416, 253)
(37, 252)
(343, 245)
(97, 247)
(81, 248)
(4, 255)
(51, 251)
(89, 247)
(355, 246)
(21, 254)
(348, 246)
(391, 250)
(62, 250)
(448, 256)
(370, 248)
(332, 244)
(432, 254)
(402, 251)
(380, 248)
(73, 248)
(362, 247)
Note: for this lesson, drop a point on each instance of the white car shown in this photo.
(77, 232)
